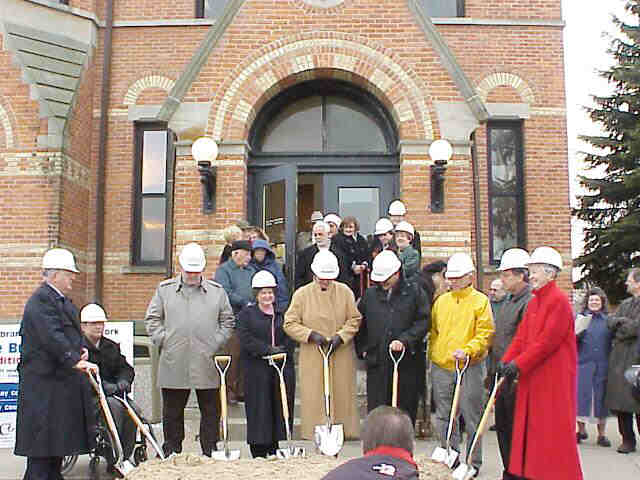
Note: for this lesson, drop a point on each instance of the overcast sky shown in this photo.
(585, 54)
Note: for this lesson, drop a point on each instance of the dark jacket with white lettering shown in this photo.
(378, 464)
(54, 400)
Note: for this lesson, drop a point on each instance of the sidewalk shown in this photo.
(597, 462)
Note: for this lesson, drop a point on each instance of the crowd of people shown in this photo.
(355, 298)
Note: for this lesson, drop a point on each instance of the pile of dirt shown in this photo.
(313, 467)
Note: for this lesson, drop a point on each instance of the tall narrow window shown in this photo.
(210, 8)
(506, 188)
(153, 176)
(444, 8)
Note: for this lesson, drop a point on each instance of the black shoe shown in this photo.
(581, 436)
(626, 448)
(492, 428)
(604, 441)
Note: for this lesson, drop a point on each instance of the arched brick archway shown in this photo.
(316, 55)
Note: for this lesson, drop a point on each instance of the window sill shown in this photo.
(144, 269)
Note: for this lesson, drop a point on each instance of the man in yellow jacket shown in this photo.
(461, 328)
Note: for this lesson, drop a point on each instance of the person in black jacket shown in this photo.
(396, 315)
(55, 410)
(387, 444)
(321, 241)
(355, 252)
(115, 372)
(259, 329)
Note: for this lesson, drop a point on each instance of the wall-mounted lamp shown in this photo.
(440, 152)
(204, 151)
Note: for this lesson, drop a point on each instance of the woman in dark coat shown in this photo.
(259, 328)
(355, 251)
(624, 325)
(594, 346)
(395, 314)
(263, 258)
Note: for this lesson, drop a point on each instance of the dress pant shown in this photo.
(505, 405)
(625, 426)
(43, 468)
(174, 402)
(260, 450)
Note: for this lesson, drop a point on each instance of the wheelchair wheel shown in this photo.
(94, 467)
(140, 454)
(68, 463)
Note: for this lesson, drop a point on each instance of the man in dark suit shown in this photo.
(321, 241)
(54, 403)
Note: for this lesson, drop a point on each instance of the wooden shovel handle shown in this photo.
(485, 417)
(283, 398)
(277, 356)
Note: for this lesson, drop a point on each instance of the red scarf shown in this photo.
(396, 452)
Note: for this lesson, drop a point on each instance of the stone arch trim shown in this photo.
(6, 122)
(506, 79)
(150, 81)
(311, 55)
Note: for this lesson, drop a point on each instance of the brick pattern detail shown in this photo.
(5, 123)
(322, 55)
(45, 164)
(151, 81)
(487, 84)
(321, 7)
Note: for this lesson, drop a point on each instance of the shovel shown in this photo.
(466, 471)
(329, 437)
(396, 361)
(226, 454)
(290, 451)
(448, 455)
(144, 428)
(123, 467)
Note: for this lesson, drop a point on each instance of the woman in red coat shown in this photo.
(543, 357)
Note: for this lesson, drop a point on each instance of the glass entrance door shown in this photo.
(274, 198)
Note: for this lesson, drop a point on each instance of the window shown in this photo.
(444, 8)
(210, 8)
(506, 188)
(153, 177)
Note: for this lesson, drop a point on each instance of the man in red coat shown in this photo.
(542, 356)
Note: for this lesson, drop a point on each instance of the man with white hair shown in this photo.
(324, 313)
(189, 318)
(461, 331)
(542, 357)
(321, 241)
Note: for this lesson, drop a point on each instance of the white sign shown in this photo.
(119, 332)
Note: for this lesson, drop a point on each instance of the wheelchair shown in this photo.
(104, 450)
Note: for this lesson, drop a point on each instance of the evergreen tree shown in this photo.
(611, 206)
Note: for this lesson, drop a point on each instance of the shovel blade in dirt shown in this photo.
(289, 452)
(226, 456)
(329, 439)
(464, 472)
(124, 468)
(446, 456)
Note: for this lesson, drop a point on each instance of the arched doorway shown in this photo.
(320, 145)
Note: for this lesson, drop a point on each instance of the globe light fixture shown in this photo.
(440, 152)
(204, 151)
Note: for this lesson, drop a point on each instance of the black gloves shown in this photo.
(335, 342)
(109, 388)
(315, 337)
(273, 350)
(124, 386)
(509, 370)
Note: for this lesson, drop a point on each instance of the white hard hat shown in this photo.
(459, 265)
(316, 216)
(513, 258)
(59, 259)
(385, 264)
(397, 208)
(405, 227)
(383, 225)
(547, 255)
(325, 265)
(92, 313)
(263, 279)
(192, 258)
(333, 218)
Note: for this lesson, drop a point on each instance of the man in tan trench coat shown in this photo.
(323, 312)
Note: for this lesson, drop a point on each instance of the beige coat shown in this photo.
(329, 312)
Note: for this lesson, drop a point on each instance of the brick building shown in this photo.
(315, 105)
